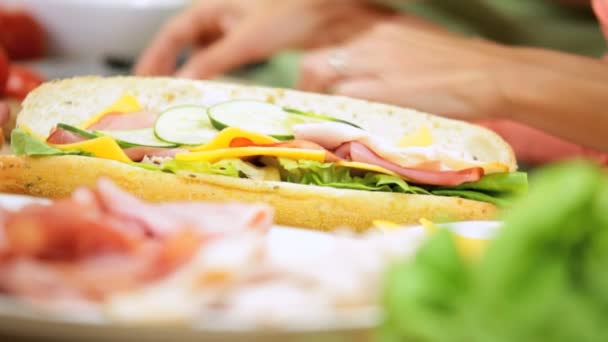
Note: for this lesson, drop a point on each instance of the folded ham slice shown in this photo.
(103, 241)
(62, 136)
(358, 152)
(125, 121)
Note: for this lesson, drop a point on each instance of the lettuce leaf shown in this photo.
(228, 167)
(543, 278)
(23, 144)
(497, 189)
(508, 183)
(329, 174)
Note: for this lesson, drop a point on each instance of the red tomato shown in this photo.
(3, 71)
(21, 35)
(21, 81)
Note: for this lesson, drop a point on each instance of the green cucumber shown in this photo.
(184, 125)
(125, 138)
(83, 133)
(136, 137)
(321, 117)
(262, 117)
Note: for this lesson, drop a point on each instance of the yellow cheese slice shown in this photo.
(386, 225)
(365, 167)
(422, 138)
(103, 147)
(224, 138)
(239, 152)
(471, 249)
(125, 104)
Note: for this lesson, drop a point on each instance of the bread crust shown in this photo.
(297, 205)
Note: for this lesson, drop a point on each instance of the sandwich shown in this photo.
(321, 161)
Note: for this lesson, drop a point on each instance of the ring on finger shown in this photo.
(337, 60)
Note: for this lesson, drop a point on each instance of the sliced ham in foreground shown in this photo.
(105, 241)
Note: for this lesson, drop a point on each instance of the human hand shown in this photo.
(427, 69)
(226, 34)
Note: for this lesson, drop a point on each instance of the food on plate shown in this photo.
(542, 279)
(320, 161)
(103, 255)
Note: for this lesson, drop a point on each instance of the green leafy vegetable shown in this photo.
(227, 167)
(329, 174)
(508, 183)
(24, 144)
(543, 279)
(473, 195)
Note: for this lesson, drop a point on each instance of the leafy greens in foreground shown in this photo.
(543, 279)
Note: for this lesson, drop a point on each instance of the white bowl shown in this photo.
(101, 29)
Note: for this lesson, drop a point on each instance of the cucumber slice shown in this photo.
(76, 130)
(184, 125)
(136, 137)
(321, 117)
(251, 115)
(124, 138)
(262, 117)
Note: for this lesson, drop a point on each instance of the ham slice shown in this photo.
(358, 152)
(117, 121)
(330, 135)
(139, 153)
(62, 136)
(122, 121)
(164, 219)
(104, 241)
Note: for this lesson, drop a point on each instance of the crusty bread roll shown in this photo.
(73, 101)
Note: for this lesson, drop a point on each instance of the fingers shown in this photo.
(161, 56)
(249, 40)
(233, 50)
(316, 73)
(322, 68)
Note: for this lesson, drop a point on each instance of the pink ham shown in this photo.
(62, 136)
(139, 153)
(163, 219)
(100, 242)
(330, 135)
(121, 121)
(358, 152)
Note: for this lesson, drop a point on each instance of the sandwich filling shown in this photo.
(262, 141)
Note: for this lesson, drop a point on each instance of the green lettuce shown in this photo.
(498, 189)
(331, 175)
(543, 279)
(23, 144)
(227, 167)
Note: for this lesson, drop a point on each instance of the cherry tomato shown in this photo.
(21, 81)
(4, 63)
(21, 35)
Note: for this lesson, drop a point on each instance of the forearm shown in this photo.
(563, 95)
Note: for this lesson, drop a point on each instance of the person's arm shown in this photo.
(561, 94)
